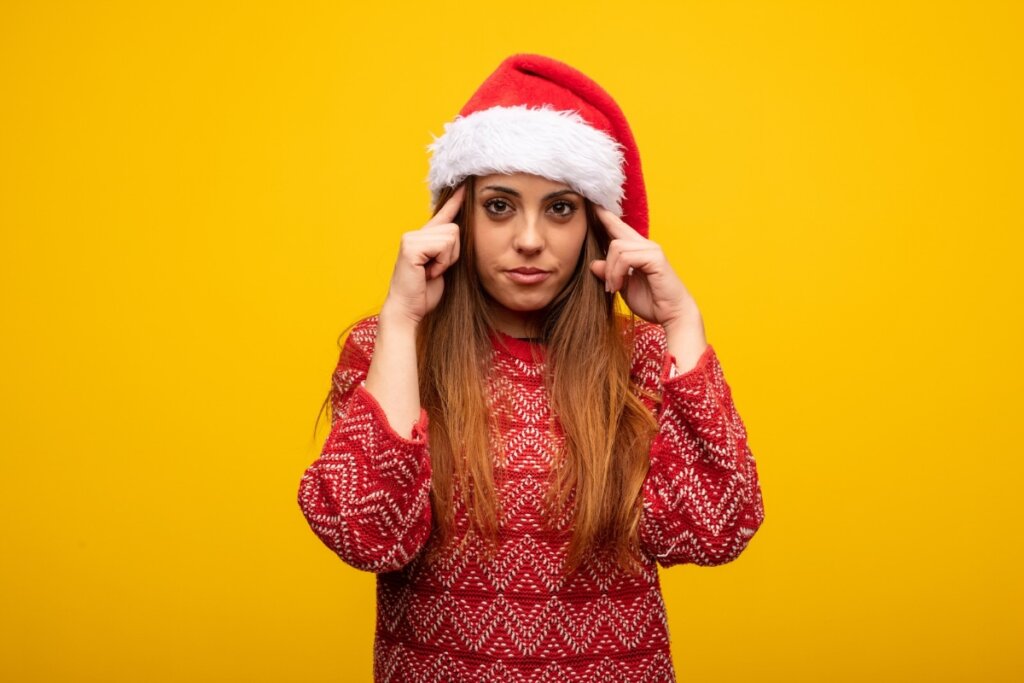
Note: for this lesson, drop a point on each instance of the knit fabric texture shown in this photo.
(514, 617)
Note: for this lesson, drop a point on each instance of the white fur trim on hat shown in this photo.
(558, 145)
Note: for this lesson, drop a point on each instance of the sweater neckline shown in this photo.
(527, 350)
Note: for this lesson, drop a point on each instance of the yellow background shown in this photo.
(197, 198)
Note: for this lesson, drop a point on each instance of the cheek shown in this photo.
(486, 242)
(570, 246)
(479, 265)
(483, 263)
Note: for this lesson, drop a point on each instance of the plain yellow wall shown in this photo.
(197, 198)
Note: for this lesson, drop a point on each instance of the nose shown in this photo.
(529, 236)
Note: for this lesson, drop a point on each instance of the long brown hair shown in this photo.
(595, 482)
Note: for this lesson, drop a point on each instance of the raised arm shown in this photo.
(702, 496)
(367, 496)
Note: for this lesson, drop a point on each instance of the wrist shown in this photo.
(685, 340)
(393, 318)
(686, 321)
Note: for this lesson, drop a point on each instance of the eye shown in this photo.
(496, 206)
(563, 209)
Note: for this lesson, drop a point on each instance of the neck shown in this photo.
(518, 324)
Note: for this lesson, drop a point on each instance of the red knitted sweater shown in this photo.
(467, 618)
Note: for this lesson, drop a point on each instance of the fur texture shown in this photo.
(559, 145)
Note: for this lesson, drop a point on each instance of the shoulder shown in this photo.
(359, 343)
(364, 333)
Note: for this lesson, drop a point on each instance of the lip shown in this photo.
(527, 276)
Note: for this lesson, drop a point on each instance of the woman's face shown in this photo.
(528, 232)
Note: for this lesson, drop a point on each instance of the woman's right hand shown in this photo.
(424, 255)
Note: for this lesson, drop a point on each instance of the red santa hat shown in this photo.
(537, 115)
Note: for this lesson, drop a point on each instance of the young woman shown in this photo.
(509, 453)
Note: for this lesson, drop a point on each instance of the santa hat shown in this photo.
(537, 115)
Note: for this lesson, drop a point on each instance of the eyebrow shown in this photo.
(515, 193)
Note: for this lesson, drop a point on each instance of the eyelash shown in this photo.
(489, 202)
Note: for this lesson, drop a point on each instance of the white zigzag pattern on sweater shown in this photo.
(514, 617)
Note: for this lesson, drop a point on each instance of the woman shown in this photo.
(509, 453)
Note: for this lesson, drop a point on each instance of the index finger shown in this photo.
(447, 213)
(617, 228)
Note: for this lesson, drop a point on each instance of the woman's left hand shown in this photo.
(637, 267)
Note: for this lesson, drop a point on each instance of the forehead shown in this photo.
(521, 181)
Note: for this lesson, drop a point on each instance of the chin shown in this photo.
(525, 306)
(522, 306)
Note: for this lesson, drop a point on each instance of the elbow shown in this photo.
(379, 556)
(674, 540)
(377, 536)
(716, 551)
(703, 551)
(391, 550)
(722, 548)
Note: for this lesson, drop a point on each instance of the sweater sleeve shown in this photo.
(702, 498)
(367, 496)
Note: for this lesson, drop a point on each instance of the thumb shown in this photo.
(599, 267)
